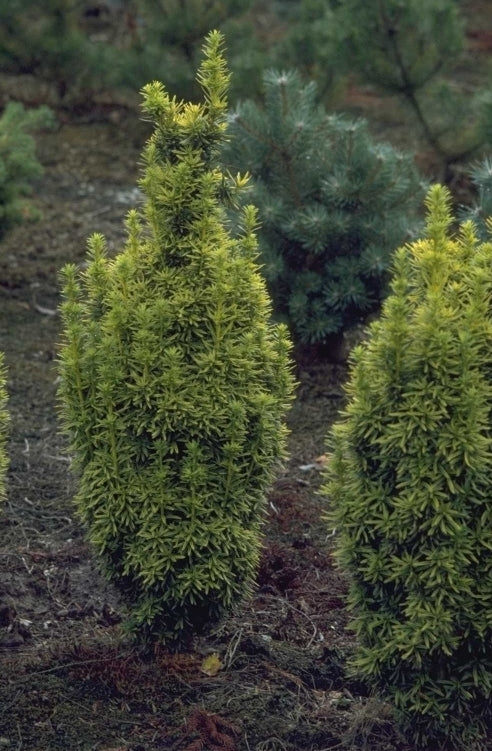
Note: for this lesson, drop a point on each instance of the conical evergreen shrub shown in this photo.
(174, 383)
(410, 484)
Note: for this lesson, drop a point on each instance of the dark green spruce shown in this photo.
(174, 383)
(410, 485)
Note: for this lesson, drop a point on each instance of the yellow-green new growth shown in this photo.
(174, 383)
(410, 487)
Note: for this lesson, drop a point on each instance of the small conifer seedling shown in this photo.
(174, 383)
(19, 165)
(410, 483)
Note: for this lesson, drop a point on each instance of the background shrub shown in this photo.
(49, 41)
(85, 48)
(18, 162)
(333, 205)
(311, 45)
(410, 484)
(169, 38)
(481, 207)
(410, 49)
(173, 382)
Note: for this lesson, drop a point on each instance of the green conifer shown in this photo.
(410, 486)
(170, 36)
(407, 48)
(311, 45)
(333, 205)
(174, 383)
(48, 40)
(481, 208)
(19, 165)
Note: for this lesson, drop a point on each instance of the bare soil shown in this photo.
(68, 677)
(273, 676)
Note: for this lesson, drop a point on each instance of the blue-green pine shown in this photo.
(333, 205)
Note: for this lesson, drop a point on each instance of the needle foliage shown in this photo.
(19, 166)
(412, 49)
(174, 383)
(333, 205)
(410, 486)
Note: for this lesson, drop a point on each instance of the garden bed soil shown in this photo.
(69, 679)
(273, 676)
